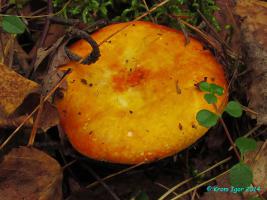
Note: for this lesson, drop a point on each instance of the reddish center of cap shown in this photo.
(124, 79)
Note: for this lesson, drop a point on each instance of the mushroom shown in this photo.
(138, 102)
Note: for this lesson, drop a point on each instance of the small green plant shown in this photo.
(207, 118)
(13, 24)
(121, 10)
(240, 174)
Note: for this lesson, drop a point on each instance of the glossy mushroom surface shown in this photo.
(138, 102)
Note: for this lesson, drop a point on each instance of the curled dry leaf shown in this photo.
(27, 173)
(49, 117)
(20, 56)
(254, 42)
(14, 88)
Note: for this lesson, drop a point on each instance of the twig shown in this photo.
(36, 108)
(113, 175)
(14, 122)
(189, 179)
(234, 146)
(217, 36)
(69, 164)
(103, 183)
(165, 187)
(229, 138)
(248, 134)
(151, 10)
(40, 16)
(136, 19)
(2, 54)
(200, 185)
(150, 16)
(36, 122)
(42, 40)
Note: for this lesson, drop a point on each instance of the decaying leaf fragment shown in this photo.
(254, 41)
(258, 162)
(27, 173)
(49, 117)
(14, 88)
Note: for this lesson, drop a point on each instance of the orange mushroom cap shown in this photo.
(138, 102)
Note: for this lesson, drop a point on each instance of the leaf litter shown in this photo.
(56, 56)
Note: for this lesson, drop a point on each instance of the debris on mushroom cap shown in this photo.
(138, 102)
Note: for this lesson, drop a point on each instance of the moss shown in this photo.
(91, 11)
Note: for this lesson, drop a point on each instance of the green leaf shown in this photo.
(142, 196)
(204, 86)
(206, 118)
(254, 198)
(216, 89)
(241, 175)
(13, 24)
(210, 98)
(234, 109)
(245, 144)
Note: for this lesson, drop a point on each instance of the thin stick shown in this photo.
(113, 175)
(36, 122)
(189, 179)
(247, 134)
(36, 108)
(214, 31)
(136, 19)
(42, 39)
(103, 183)
(39, 16)
(229, 138)
(165, 187)
(150, 16)
(151, 10)
(68, 164)
(200, 185)
(2, 55)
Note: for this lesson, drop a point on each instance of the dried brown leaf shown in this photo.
(254, 42)
(27, 173)
(14, 122)
(49, 117)
(42, 53)
(14, 88)
(258, 162)
(20, 56)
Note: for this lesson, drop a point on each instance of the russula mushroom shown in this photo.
(138, 102)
